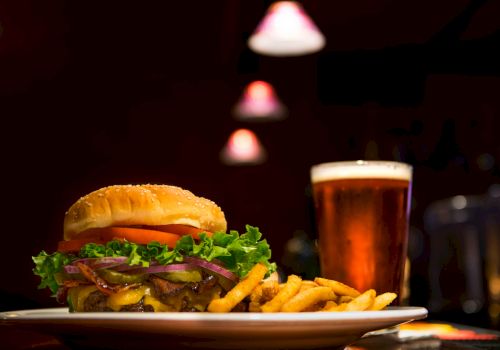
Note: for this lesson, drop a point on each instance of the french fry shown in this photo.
(315, 307)
(297, 295)
(362, 302)
(240, 291)
(307, 285)
(262, 293)
(342, 307)
(269, 290)
(256, 294)
(330, 304)
(254, 307)
(290, 289)
(308, 298)
(337, 287)
(382, 300)
(345, 299)
(335, 308)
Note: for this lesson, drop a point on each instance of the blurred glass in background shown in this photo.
(301, 255)
(464, 263)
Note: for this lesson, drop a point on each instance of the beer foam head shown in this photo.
(361, 169)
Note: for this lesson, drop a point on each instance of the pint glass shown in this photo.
(362, 211)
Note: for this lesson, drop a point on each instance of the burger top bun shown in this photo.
(127, 205)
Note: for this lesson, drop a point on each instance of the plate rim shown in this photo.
(62, 313)
(207, 330)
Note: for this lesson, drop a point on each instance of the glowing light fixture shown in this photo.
(243, 148)
(259, 103)
(286, 30)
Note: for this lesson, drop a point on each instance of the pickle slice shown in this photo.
(182, 276)
(119, 277)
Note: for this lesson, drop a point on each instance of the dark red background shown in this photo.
(94, 93)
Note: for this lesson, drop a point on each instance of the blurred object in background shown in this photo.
(286, 30)
(300, 256)
(259, 103)
(492, 268)
(405, 292)
(464, 266)
(243, 148)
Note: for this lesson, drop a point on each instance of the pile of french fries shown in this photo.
(297, 295)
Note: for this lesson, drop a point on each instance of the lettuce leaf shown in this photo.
(137, 254)
(239, 253)
(47, 266)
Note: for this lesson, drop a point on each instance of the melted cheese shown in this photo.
(77, 295)
(127, 297)
(116, 301)
(157, 305)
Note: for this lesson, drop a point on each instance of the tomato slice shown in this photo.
(75, 244)
(182, 230)
(135, 235)
(138, 235)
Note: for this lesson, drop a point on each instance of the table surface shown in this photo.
(18, 339)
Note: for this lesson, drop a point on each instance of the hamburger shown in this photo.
(154, 248)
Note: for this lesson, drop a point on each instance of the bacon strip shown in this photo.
(62, 292)
(101, 283)
(93, 277)
(73, 283)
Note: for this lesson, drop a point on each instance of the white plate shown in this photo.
(205, 330)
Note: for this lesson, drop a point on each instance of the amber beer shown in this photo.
(362, 211)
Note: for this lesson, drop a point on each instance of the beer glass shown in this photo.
(362, 211)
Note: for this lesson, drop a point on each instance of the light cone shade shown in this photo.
(259, 103)
(243, 148)
(286, 30)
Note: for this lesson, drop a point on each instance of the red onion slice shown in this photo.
(104, 266)
(162, 268)
(95, 262)
(212, 267)
(124, 267)
(119, 264)
(70, 269)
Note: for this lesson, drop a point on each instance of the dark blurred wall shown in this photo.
(97, 93)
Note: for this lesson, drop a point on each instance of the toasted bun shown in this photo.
(127, 205)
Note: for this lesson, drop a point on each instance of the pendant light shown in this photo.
(259, 103)
(286, 30)
(243, 148)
